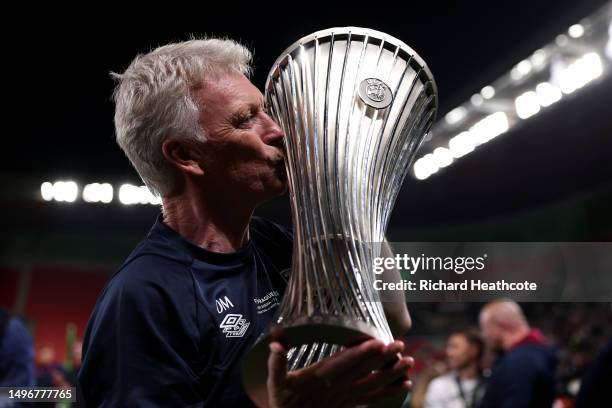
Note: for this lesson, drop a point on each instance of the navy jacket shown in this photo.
(172, 325)
(524, 377)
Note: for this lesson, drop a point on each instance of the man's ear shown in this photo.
(184, 155)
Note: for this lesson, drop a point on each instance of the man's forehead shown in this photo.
(230, 88)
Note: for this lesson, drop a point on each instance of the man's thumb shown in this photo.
(277, 365)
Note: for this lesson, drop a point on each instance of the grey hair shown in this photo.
(153, 101)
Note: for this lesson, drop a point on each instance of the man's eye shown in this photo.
(242, 120)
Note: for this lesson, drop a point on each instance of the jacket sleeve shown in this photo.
(141, 345)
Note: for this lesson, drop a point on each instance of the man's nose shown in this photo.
(274, 134)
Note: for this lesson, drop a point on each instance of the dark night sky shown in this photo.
(63, 95)
(59, 63)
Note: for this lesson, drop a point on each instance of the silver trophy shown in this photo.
(354, 105)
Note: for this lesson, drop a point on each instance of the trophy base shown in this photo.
(332, 330)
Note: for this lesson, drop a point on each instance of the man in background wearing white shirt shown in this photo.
(462, 386)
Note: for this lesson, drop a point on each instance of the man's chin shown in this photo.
(280, 188)
(280, 171)
(276, 185)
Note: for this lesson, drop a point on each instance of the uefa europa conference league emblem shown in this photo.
(354, 105)
(375, 93)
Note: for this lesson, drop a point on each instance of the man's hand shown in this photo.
(365, 373)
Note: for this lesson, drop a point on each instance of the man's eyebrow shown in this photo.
(242, 109)
(247, 107)
(257, 104)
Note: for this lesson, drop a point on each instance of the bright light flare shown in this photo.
(130, 195)
(527, 105)
(98, 193)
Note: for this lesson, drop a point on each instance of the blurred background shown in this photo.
(522, 150)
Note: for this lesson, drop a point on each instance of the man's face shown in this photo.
(243, 154)
(490, 332)
(460, 352)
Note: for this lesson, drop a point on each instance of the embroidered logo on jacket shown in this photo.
(234, 325)
(223, 304)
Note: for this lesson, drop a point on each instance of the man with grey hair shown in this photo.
(524, 377)
(172, 325)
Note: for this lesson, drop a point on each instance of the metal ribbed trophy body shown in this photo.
(354, 105)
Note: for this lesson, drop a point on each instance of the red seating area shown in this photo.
(57, 296)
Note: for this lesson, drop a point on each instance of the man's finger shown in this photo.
(277, 365)
(339, 364)
(385, 377)
(388, 356)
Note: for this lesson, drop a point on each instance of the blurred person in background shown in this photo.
(464, 385)
(596, 382)
(16, 354)
(49, 372)
(72, 370)
(524, 376)
(430, 371)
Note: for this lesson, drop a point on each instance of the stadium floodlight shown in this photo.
(552, 73)
(524, 67)
(456, 115)
(494, 124)
(576, 31)
(425, 166)
(130, 194)
(487, 92)
(489, 127)
(68, 191)
(561, 40)
(477, 99)
(64, 191)
(146, 197)
(443, 157)
(98, 193)
(46, 191)
(461, 144)
(91, 193)
(548, 94)
(577, 74)
(527, 105)
(538, 58)
(106, 193)
(127, 195)
(521, 70)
